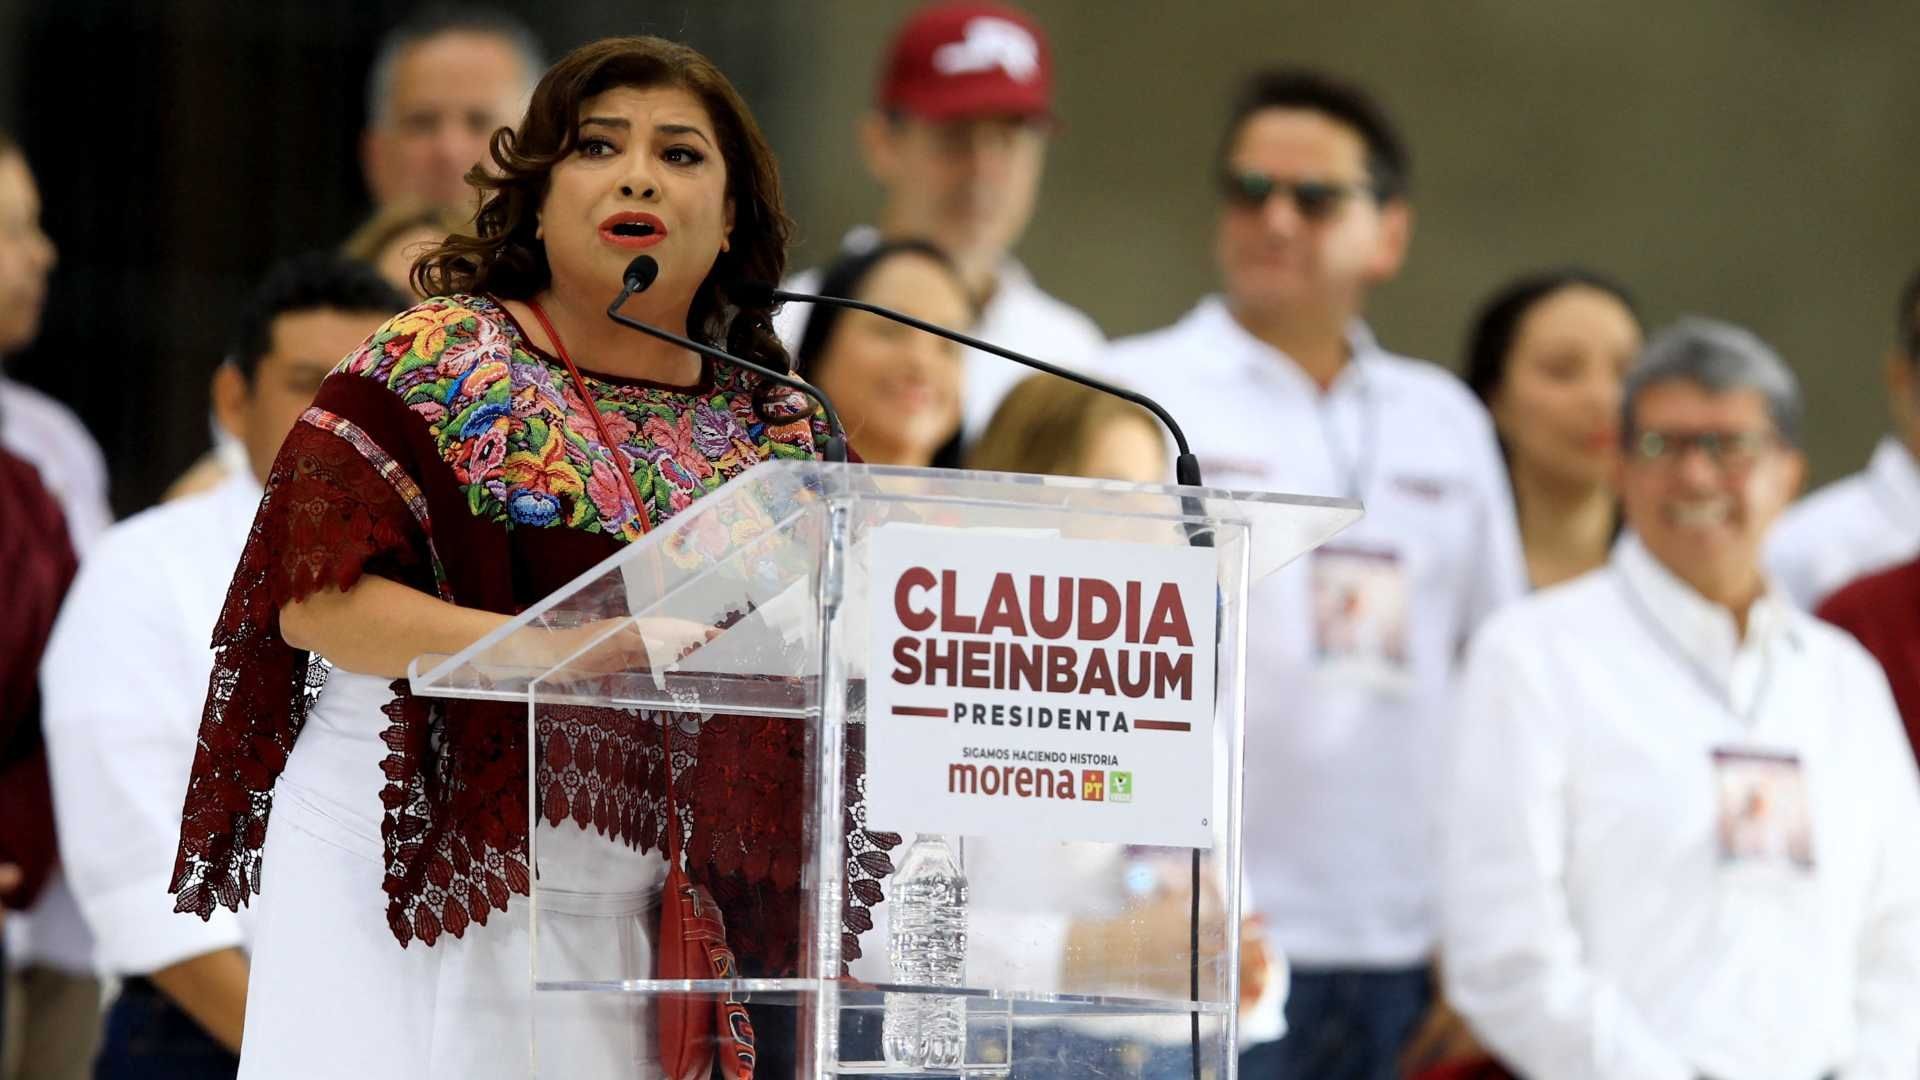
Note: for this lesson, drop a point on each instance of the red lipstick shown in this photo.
(633, 230)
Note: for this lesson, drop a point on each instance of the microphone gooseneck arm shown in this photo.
(641, 273)
(1186, 470)
(1186, 467)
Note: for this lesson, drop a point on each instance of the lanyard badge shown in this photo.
(1763, 821)
(1360, 612)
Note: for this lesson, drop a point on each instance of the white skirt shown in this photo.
(332, 993)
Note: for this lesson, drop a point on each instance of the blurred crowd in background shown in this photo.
(1582, 754)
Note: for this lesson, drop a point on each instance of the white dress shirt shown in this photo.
(1850, 528)
(1341, 778)
(1020, 316)
(1594, 927)
(124, 680)
(45, 433)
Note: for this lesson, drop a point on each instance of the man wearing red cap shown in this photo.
(957, 140)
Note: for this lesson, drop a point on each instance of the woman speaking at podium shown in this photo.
(479, 451)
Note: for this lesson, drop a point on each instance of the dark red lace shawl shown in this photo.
(359, 487)
(37, 564)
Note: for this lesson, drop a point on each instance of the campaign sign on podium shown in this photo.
(831, 659)
(1024, 683)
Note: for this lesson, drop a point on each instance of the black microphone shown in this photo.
(640, 275)
(1186, 468)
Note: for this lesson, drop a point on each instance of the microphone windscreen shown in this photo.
(640, 273)
(752, 294)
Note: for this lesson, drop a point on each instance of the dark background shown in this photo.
(182, 147)
(1751, 159)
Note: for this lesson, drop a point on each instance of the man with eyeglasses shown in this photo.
(1351, 653)
(1869, 521)
(1681, 821)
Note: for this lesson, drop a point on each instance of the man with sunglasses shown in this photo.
(1352, 651)
(1871, 520)
(1680, 827)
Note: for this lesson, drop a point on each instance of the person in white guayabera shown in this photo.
(957, 140)
(1352, 651)
(120, 748)
(1682, 834)
(1871, 520)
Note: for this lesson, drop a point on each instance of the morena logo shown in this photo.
(1027, 782)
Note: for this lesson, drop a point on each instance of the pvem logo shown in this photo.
(991, 43)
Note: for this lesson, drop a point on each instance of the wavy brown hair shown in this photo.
(506, 259)
(1045, 425)
(389, 223)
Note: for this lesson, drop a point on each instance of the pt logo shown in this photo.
(1093, 786)
(1119, 786)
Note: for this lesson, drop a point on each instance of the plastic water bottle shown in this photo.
(927, 946)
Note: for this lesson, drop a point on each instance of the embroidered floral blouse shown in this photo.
(450, 454)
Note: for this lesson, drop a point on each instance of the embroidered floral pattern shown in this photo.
(521, 452)
(508, 423)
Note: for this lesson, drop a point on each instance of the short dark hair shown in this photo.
(1388, 163)
(1490, 340)
(317, 280)
(432, 22)
(1910, 318)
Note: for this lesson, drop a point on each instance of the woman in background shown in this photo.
(1547, 355)
(897, 388)
(1058, 427)
(399, 235)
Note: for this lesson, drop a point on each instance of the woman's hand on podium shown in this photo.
(616, 646)
(378, 626)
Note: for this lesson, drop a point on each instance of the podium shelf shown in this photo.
(1019, 1004)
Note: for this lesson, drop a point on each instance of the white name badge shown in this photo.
(1360, 617)
(1763, 823)
(1021, 686)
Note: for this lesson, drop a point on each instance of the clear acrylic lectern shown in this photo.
(1048, 672)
